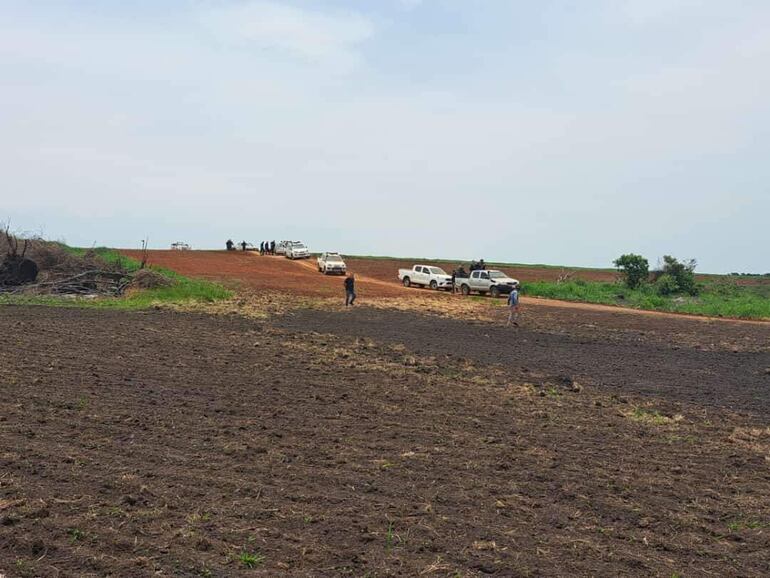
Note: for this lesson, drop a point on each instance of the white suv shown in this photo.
(331, 263)
(297, 250)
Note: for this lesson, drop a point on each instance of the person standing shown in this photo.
(229, 244)
(243, 245)
(262, 248)
(454, 281)
(350, 290)
(513, 307)
(272, 247)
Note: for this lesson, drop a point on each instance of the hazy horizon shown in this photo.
(520, 132)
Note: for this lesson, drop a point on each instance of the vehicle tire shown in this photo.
(407, 282)
(433, 285)
(495, 292)
(465, 290)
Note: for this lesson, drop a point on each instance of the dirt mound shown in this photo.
(149, 279)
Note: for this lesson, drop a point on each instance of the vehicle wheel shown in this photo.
(465, 290)
(433, 285)
(407, 282)
(495, 292)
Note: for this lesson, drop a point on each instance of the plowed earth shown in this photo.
(371, 442)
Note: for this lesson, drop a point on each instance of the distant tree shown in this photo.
(674, 276)
(633, 268)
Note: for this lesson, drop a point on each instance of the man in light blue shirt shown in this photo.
(513, 306)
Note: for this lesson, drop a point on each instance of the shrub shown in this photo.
(683, 274)
(666, 285)
(633, 268)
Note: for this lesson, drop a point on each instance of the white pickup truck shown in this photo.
(494, 282)
(425, 276)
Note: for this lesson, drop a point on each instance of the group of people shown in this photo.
(231, 246)
(265, 247)
(461, 273)
(478, 266)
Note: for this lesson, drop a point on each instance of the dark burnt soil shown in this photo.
(624, 363)
(158, 443)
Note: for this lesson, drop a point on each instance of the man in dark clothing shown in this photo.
(243, 245)
(482, 265)
(272, 247)
(229, 244)
(350, 289)
(462, 273)
(262, 248)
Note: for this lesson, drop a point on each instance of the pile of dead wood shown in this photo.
(39, 267)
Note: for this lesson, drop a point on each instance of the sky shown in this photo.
(556, 132)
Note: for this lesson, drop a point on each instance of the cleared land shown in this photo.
(380, 441)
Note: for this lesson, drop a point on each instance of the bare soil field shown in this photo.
(416, 436)
(249, 270)
(138, 444)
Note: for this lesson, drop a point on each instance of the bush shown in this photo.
(634, 269)
(666, 285)
(682, 274)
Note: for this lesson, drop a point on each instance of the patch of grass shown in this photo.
(251, 560)
(651, 416)
(389, 537)
(721, 298)
(742, 524)
(76, 534)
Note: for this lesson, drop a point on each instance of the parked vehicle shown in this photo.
(494, 282)
(331, 263)
(180, 246)
(425, 276)
(280, 247)
(297, 250)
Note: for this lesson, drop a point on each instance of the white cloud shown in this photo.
(312, 36)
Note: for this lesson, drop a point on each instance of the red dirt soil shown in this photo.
(264, 273)
(374, 278)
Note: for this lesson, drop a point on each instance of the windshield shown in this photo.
(437, 271)
(335, 258)
(497, 275)
(298, 246)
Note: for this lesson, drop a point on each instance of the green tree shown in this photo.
(633, 268)
(682, 273)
